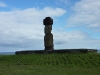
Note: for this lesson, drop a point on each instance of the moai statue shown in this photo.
(48, 38)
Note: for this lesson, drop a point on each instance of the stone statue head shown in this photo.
(47, 29)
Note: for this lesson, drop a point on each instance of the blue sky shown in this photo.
(76, 24)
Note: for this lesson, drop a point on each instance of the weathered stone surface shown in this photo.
(71, 51)
(48, 21)
(48, 29)
(48, 41)
(48, 38)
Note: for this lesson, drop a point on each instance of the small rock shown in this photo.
(18, 63)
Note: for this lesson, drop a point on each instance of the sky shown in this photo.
(76, 24)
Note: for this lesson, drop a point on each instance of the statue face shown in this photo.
(47, 29)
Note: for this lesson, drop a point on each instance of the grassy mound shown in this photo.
(51, 64)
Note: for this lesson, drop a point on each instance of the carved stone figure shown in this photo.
(48, 38)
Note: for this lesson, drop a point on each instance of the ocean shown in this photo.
(7, 53)
(98, 51)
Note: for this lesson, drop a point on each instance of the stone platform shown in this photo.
(57, 51)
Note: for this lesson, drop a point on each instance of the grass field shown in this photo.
(50, 64)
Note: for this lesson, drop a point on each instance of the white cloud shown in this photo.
(87, 13)
(74, 39)
(50, 12)
(2, 4)
(23, 29)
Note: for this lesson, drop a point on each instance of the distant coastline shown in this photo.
(7, 53)
(98, 51)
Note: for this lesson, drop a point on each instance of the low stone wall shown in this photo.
(57, 51)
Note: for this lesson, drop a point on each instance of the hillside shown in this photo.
(59, 62)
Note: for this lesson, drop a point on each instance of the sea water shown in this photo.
(7, 53)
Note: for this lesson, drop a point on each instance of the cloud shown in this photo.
(74, 39)
(24, 29)
(2, 4)
(86, 13)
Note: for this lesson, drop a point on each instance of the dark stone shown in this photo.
(48, 41)
(71, 51)
(48, 21)
(48, 38)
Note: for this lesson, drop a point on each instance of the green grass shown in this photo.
(50, 64)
